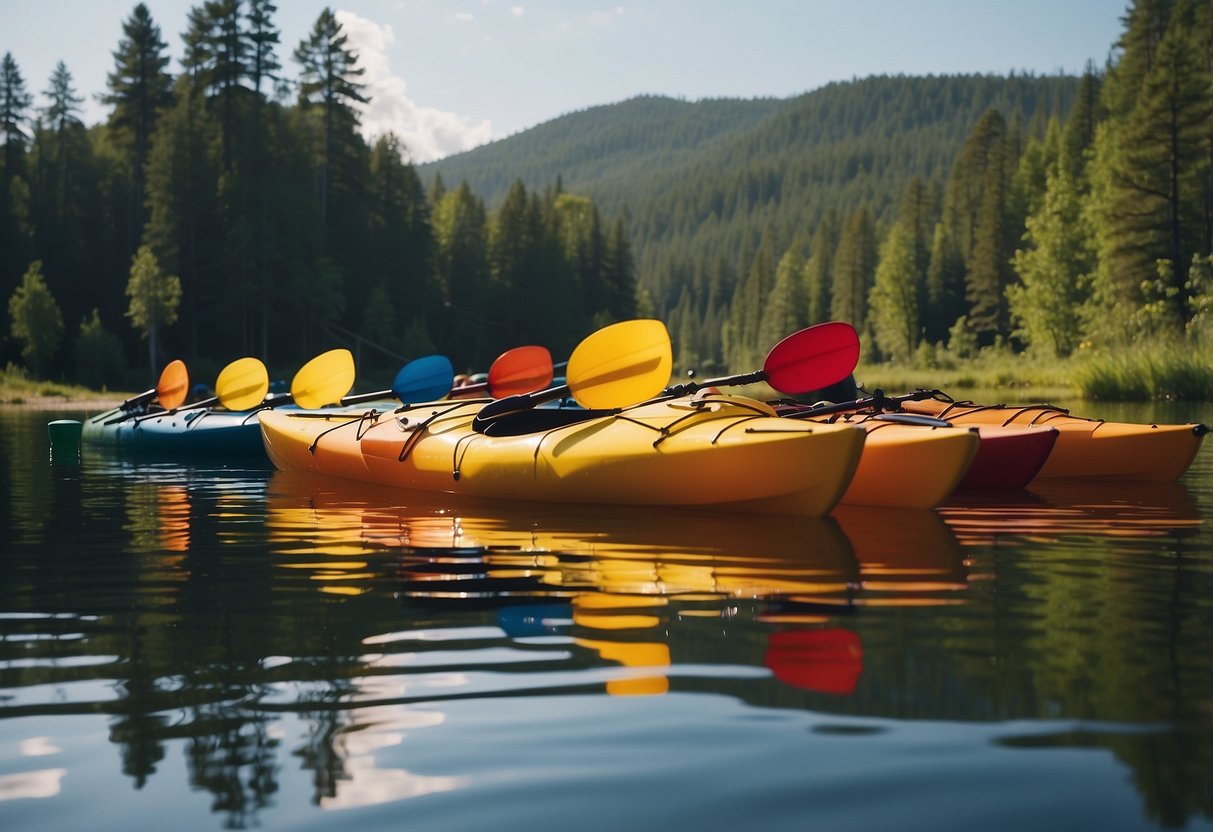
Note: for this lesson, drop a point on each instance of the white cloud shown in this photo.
(427, 133)
(599, 18)
(517, 11)
(464, 17)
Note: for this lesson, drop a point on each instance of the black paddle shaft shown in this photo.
(690, 387)
(878, 401)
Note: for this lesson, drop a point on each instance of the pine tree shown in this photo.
(65, 207)
(619, 271)
(329, 74)
(400, 247)
(786, 308)
(183, 210)
(67, 132)
(512, 241)
(944, 285)
(1078, 135)
(16, 238)
(818, 277)
(140, 87)
(683, 324)
(15, 103)
(1155, 161)
(1136, 50)
(472, 324)
(854, 269)
(983, 150)
(580, 229)
(263, 39)
(228, 47)
(987, 275)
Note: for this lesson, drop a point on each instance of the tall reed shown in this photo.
(1169, 370)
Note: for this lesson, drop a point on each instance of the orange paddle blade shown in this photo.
(174, 385)
(520, 370)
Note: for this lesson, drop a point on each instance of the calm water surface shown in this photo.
(217, 645)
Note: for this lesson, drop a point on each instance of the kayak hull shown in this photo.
(1085, 448)
(724, 452)
(1009, 457)
(907, 466)
(202, 431)
(1005, 458)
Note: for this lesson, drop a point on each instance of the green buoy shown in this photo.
(65, 440)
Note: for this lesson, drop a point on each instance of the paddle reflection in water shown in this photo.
(622, 584)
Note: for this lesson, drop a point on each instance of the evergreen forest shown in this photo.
(234, 208)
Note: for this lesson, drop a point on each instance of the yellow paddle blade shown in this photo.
(173, 386)
(242, 385)
(621, 364)
(324, 379)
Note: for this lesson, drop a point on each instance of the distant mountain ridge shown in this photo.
(704, 179)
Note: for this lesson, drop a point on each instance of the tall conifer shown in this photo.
(139, 88)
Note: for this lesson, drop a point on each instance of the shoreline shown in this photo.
(89, 405)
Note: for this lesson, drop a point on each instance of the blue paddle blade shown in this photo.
(535, 619)
(424, 379)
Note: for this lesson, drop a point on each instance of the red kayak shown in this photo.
(1008, 457)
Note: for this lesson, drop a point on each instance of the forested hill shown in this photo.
(704, 180)
(607, 148)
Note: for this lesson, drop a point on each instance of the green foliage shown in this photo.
(962, 342)
(854, 269)
(894, 297)
(36, 321)
(99, 362)
(987, 224)
(154, 297)
(786, 308)
(1166, 369)
(1150, 170)
(1200, 301)
(1053, 266)
(15, 102)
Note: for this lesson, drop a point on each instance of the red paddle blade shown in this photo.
(520, 370)
(813, 358)
(826, 661)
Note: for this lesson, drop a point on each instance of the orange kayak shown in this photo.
(1085, 448)
(910, 466)
(1007, 456)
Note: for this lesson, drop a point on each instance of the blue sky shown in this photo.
(447, 75)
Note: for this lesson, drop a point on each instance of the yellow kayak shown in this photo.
(726, 452)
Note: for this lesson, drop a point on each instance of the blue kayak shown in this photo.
(212, 430)
(205, 430)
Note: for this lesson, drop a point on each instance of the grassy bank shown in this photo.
(17, 388)
(1148, 372)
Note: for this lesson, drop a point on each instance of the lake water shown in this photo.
(216, 645)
